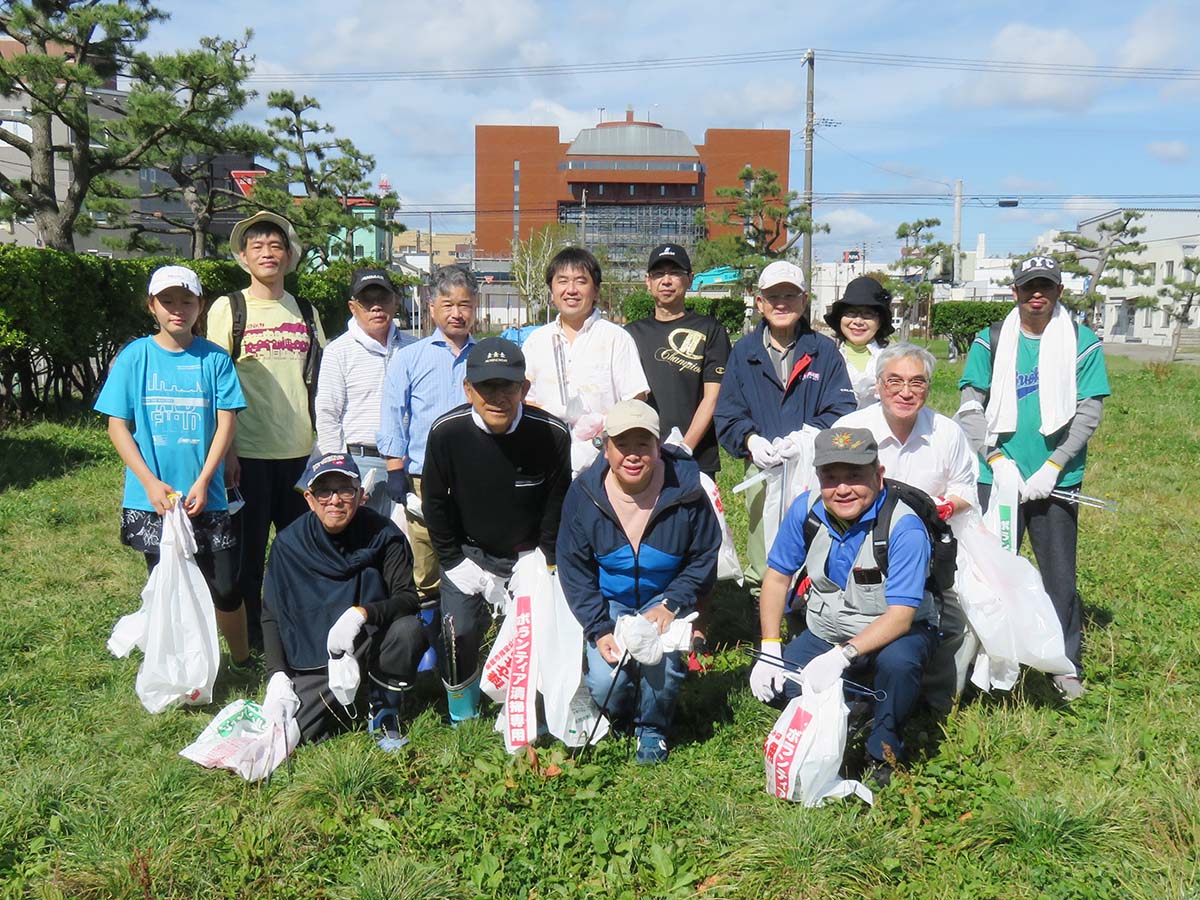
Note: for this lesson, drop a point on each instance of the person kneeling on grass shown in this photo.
(340, 581)
(860, 619)
(172, 399)
(638, 535)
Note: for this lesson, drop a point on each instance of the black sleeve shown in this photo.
(716, 356)
(557, 483)
(402, 598)
(273, 656)
(441, 513)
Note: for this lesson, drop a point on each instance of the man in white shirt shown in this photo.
(350, 389)
(580, 365)
(928, 451)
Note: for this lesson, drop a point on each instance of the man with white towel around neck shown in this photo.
(1039, 381)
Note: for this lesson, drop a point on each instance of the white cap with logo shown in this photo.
(781, 272)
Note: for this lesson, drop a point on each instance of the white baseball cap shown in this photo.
(175, 276)
(781, 272)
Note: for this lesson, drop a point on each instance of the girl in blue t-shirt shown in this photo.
(172, 399)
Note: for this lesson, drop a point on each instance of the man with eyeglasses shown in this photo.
(683, 355)
(339, 582)
(781, 377)
(929, 451)
(350, 389)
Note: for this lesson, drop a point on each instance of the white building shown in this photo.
(1170, 235)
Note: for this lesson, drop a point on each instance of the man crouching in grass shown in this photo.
(340, 581)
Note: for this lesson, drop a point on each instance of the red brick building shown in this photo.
(642, 183)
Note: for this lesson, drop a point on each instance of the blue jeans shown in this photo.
(895, 669)
(650, 700)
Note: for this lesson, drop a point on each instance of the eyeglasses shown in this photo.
(895, 384)
(325, 495)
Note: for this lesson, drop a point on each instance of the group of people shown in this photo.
(440, 462)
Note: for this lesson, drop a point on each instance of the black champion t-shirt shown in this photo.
(679, 357)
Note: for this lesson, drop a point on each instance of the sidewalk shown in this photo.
(1149, 353)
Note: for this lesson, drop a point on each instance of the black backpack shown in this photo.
(312, 359)
(944, 552)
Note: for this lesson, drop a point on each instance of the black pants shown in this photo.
(388, 659)
(269, 488)
(471, 615)
(1053, 527)
(219, 569)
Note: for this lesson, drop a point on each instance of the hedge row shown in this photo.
(729, 311)
(961, 321)
(64, 317)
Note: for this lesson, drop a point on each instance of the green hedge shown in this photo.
(961, 321)
(729, 311)
(64, 316)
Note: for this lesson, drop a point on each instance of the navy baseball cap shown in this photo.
(342, 463)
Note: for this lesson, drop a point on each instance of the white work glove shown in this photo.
(413, 504)
(766, 680)
(343, 632)
(822, 672)
(469, 578)
(640, 638)
(1041, 483)
(762, 452)
(280, 704)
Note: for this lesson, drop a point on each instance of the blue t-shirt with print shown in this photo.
(171, 399)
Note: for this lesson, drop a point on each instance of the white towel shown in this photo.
(1056, 375)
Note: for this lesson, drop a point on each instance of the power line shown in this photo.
(896, 60)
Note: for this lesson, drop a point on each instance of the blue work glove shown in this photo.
(397, 485)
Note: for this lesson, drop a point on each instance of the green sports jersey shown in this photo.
(1027, 446)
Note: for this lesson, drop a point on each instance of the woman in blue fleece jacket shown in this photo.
(637, 536)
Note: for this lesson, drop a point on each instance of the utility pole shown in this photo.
(957, 268)
(810, 61)
(863, 258)
(583, 221)
(431, 248)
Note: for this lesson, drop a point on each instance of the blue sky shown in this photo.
(901, 129)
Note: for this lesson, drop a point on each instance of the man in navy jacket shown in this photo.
(780, 377)
(637, 536)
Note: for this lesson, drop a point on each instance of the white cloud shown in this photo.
(1169, 151)
(541, 111)
(754, 101)
(1021, 43)
(848, 223)
(1157, 37)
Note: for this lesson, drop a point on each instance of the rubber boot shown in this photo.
(463, 700)
(384, 723)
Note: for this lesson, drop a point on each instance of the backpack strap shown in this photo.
(312, 357)
(882, 529)
(237, 309)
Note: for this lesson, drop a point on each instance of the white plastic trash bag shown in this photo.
(639, 637)
(1002, 511)
(1008, 609)
(176, 626)
(240, 739)
(729, 567)
(344, 677)
(803, 753)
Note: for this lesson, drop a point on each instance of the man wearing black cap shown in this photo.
(683, 355)
(860, 619)
(350, 389)
(496, 472)
(1035, 385)
(339, 582)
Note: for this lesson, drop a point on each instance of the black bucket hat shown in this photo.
(863, 291)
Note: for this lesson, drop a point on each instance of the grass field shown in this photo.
(1011, 797)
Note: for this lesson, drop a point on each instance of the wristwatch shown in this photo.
(850, 652)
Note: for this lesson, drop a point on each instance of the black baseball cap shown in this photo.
(495, 359)
(365, 278)
(1039, 266)
(669, 253)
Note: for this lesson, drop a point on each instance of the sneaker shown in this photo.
(651, 749)
(877, 775)
(1069, 687)
(248, 668)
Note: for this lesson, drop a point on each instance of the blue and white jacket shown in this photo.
(677, 556)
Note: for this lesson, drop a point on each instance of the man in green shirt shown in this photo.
(1035, 387)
